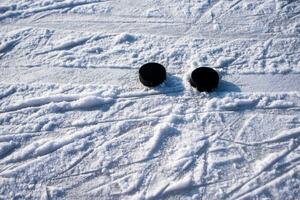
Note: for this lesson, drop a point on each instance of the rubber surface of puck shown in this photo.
(205, 79)
(152, 74)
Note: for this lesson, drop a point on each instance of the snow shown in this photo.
(76, 123)
(125, 38)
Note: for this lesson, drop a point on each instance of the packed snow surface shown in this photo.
(76, 123)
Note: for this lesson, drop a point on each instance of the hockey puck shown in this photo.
(205, 79)
(152, 74)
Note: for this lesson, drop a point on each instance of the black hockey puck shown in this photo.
(205, 79)
(152, 74)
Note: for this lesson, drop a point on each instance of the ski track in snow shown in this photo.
(75, 123)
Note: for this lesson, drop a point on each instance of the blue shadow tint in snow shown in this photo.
(125, 38)
(225, 86)
(8, 149)
(173, 86)
(7, 92)
(8, 47)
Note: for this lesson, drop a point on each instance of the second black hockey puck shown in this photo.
(152, 74)
(205, 79)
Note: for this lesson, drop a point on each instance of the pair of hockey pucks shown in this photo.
(205, 79)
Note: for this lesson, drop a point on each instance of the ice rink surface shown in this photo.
(76, 123)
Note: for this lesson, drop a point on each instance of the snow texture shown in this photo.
(76, 123)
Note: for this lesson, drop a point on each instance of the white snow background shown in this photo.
(76, 123)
